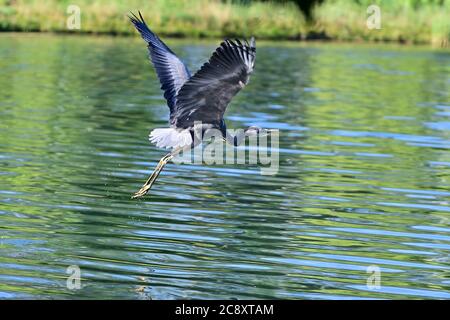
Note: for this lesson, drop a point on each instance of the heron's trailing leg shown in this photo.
(151, 180)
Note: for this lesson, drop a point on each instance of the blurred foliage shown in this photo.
(306, 6)
(198, 18)
(414, 21)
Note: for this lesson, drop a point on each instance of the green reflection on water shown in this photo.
(364, 176)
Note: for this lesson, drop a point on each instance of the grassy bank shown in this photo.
(427, 21)
(411, 21)
(187, 18)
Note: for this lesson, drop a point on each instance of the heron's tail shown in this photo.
(170, 137)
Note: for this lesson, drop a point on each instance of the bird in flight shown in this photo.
(197, 103)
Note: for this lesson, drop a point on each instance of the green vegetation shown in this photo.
(413, 21)
(187, 18)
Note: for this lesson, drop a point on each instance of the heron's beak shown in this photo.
(268, 131)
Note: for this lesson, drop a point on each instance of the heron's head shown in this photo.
(256, 131)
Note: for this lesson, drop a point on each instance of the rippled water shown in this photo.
(364, 176)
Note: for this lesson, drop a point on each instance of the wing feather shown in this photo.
(205, 96)
(171, 71)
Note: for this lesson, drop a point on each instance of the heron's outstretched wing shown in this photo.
(172, 73)
(205, 96)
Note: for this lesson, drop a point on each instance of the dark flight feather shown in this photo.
(171, 71)
(205, 96)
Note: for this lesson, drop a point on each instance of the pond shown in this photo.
(360, 206)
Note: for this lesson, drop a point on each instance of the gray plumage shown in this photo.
(171, 71)
(204, 96)
(197, 103)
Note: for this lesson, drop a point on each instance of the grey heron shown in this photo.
(197, 103)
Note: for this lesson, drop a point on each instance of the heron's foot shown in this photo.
(142, 192)
(151, 180)
(147, 185)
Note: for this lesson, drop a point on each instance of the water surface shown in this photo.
(364, 176)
